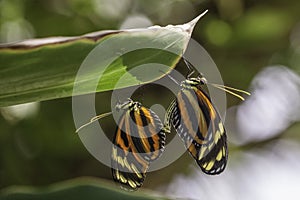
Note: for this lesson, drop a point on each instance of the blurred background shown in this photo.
(256, 46)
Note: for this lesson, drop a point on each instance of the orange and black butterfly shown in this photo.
(198, 123)
(139, 140)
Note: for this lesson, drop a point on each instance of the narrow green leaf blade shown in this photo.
(49, 68)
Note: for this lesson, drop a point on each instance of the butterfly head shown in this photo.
(192, 82)
(128, 105)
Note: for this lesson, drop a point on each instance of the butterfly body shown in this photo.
(138, 141)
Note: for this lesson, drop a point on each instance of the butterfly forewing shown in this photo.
(198, 123)
(138, 141)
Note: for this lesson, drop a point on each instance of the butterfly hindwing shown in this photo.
(138, 141)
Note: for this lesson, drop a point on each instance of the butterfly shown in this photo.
(139, 140)
(198, 123)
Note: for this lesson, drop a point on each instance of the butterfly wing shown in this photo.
(138, 141)
(198, 123)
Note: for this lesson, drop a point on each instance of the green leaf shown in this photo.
(80, 188)
(43, 69)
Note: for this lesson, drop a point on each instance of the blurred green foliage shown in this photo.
(242, 36)
(83, 188)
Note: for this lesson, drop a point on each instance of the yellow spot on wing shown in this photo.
(221, 127)
(126, 163)
(219, 156)
(123, 179)
(120, 161)
(210, 165)
(217, 136)
(203, 149)
(114, 153)
(132, 184)
(136, 171)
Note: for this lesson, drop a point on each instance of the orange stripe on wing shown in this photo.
(185, 118)
(131, 143)
(118, 138)
(202, 124)
(147, 115)
(141, 131)
(208, 104)
(153, 133)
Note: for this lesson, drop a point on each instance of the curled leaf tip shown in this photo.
(194, 21)
(190, 25)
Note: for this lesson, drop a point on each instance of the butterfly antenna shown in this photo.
(234, 89)
(96, 118)
(230, 90)
(170, 77)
